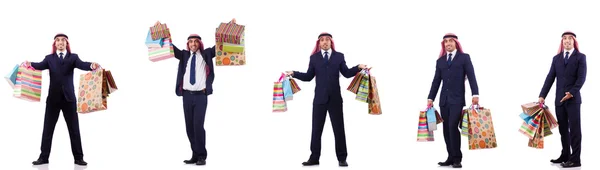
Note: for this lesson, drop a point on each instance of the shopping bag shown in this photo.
(92, 96)
(481, 129)
(373, 100)
(159, 31)
(28, 84)
(161, 53)
(279, 104)
(363, 90)
(288, 94)
(158, 43)
(423, 133)
(464, 125)
(355, 84)
(230, 33)
(224, 58)
(11, 77)
(431, 119)
(295, 87)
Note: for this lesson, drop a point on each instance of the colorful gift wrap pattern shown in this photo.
(363, 89)
(90, 97)
(228, 58)
(11, 77)
(162, 53)
(28, 84)
(481, 129)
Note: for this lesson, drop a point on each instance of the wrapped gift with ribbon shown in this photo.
(11, 77)
(28, 84)
(159, 31)
(161, 53)
(279, 104)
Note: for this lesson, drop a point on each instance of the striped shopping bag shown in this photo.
(28, 84)
(363, 89)
(423, 133)
(279, 104)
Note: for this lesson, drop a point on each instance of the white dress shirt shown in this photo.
(65, 55)
(570, 53)
(200, 74)
(328, 53)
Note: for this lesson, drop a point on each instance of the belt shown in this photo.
(203, 91)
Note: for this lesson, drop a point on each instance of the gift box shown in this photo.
(165, 52)
(230, 33)
(151, 43)
(11, 77)
(228, 58)
(28, 84)
(94, 88)
(159, 31)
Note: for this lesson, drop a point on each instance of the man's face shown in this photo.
(60, 43)
(568, 41)
(194, 44)
(449, 44)
(325, 42)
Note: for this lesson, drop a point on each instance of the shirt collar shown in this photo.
(328, 52)
(570, 52)
(453, 53)
(197, 53)
(58, 53)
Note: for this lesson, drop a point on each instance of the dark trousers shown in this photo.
(194, 108)
(451, 113)
(569, 127)
(336, 116)
(69, 110)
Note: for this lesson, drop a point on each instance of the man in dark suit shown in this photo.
(453, 67)
(569, 69)
(61, 96)
(327, 95)
(195, 77)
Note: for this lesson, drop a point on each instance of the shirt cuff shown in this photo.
(475, 95)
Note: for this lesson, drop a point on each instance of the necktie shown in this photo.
(61, 56)
(326, 57)
(566, 58)
(193, 70)
(449, 58)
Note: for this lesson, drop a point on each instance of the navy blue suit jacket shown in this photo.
(328, 76)
(454, 77)
(61, 75)
(183, 56)
(569, 78)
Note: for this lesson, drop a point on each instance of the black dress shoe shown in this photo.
(446, 163)
(80, 162)
(570, 164)
(310, 163)
(201, 162)
(192, 160)
(343, 163)
(556, 161)
(40, 162)
(456, 165)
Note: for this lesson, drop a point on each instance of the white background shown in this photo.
(511, 45)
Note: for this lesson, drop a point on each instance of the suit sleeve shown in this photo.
(309, 75)
(40, 65)
(581, 74)
(470, 70)
(549, 80)
(210, 52)
(178, 52)
(82, 65)
(347, 72)
(435, 84)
